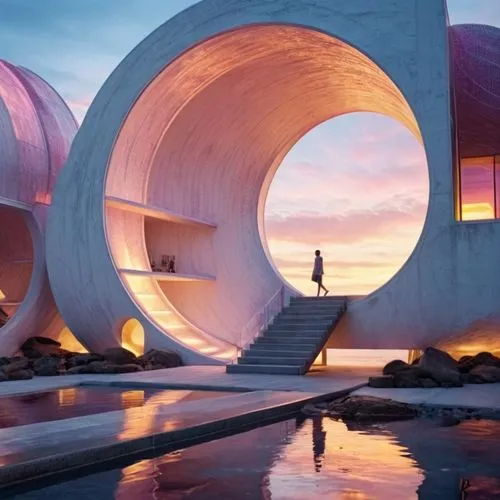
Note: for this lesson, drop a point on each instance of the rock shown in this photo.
(409, 378)
(15, 365)
(428, 383)
(37, 347)
(3, 377)
(370, 408)
(156, 359)
(415, 361)
(20, 375)
(48, 366)
(487, 374)
(449, 421)
(441, 366)
(392, 367)
(103, 367)
(4, 361)
(83, 359)
(119, 356)
(468, 363)
(383, 382)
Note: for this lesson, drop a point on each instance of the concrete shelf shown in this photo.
(159, 276)
(156, 212)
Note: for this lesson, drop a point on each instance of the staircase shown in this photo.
(294, 339)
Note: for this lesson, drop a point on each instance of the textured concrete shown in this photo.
(36, 131)
(196, 120)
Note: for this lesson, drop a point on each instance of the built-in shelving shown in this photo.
(10, 203)
(156, 212)
(159, 276)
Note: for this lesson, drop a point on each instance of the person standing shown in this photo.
(317, 275)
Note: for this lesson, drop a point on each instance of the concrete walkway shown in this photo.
(320, 381)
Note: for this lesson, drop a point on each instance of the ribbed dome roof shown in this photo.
(36, 131)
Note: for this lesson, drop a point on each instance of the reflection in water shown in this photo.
(310, 459)
(79, 401)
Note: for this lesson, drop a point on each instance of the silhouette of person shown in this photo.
(317, 275)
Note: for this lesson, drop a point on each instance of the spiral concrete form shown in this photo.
(36, 131)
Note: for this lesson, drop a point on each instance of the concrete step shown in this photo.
(284, 340)
(283, 346)
(287, 352)
(278, 360)
(289, 332)
(291, 325)
(305, 316)
(317, 300)
(266, 369)
(303, 320)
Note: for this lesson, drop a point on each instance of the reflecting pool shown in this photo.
(311, 459)
(79, 401)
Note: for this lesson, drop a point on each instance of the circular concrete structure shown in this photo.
(178, 150)
(36, 131)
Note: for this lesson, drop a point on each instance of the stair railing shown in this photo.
(263, 318)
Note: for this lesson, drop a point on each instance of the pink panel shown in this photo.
(31, 148)
(58, 122)
(476, 71)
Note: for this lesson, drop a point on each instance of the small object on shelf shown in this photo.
(171, 264)
(164, 263)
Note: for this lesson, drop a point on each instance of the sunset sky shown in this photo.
(356, 186)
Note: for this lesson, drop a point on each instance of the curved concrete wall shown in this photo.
(36, 131)
(190, 129)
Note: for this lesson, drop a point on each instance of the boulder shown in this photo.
(383, 382)
(15, 365)
(428, 383)
(48, 366)
(3, 377)
(119, 356)
(21, 375)
(370, 408)
(4, 361)
(441, 366)
(156, 359)
(104, 367)
(393, 366)
(484, 374)
(467, 363)
(37, 347)
(410, 377)
(83, 359)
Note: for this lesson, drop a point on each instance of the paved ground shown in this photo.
(470, 396)
(321, 381)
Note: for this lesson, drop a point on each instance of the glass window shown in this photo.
(478, 188)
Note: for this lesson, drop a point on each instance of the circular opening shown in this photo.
(16, 262)
(132, 335)
(357, 188)
(197, 154)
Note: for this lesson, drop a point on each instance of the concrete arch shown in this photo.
(188, 132)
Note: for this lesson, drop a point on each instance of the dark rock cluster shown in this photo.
(438, 369)
(44, 357)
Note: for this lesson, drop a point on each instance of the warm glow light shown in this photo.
(69, 341)
(66, 397)
(2, 295)
(133, 336)
(477, 211)
(132, 399)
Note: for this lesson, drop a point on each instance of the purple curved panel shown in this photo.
(31, 147)
(475, 53)
(59, 124)
(36, 129)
